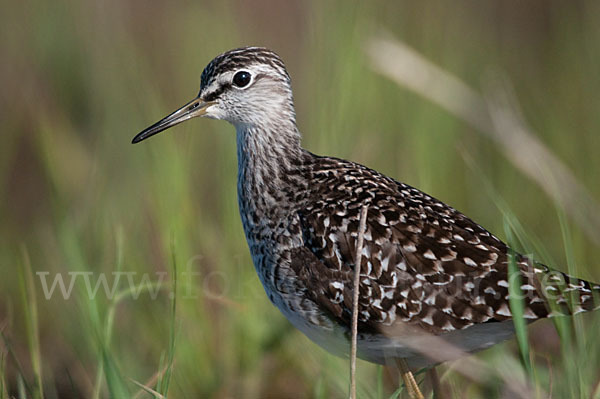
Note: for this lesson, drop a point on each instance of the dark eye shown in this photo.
(241, 79)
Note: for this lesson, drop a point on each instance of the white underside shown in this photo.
(418, 350)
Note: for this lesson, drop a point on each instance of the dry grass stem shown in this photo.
(355, 291)
(151, 382)
(147, 389)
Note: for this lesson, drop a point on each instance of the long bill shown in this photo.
(196, 107)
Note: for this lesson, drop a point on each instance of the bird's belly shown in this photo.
(417, 347)
(419, 350)
(283, 290)
(424, 350)
(335, 338)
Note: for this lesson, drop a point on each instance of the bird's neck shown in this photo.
(269, 166)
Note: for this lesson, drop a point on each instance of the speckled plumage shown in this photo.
(425, 267)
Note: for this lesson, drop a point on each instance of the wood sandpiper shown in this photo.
(426, 271)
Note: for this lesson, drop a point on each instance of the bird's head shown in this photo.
(246, 87)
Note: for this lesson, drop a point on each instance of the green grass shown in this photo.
(81, 79)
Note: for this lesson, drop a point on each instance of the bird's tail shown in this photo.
(562, 294)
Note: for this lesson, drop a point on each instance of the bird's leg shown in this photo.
(409, 380)
(436, 385)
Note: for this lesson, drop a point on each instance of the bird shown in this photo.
(425, 271)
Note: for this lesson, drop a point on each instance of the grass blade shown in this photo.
(31, 321)
(166, 378)
(517, 305)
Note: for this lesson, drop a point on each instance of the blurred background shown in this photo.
(80, 79)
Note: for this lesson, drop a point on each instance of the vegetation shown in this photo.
(184, 313)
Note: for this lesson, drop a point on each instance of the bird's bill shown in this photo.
(196, 107)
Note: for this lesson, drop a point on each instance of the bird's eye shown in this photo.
(241, 79)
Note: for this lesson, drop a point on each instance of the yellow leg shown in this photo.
(409, 380)
(439, 391)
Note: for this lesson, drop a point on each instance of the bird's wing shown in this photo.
(422, 261)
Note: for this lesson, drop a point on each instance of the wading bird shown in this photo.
(426, 270)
